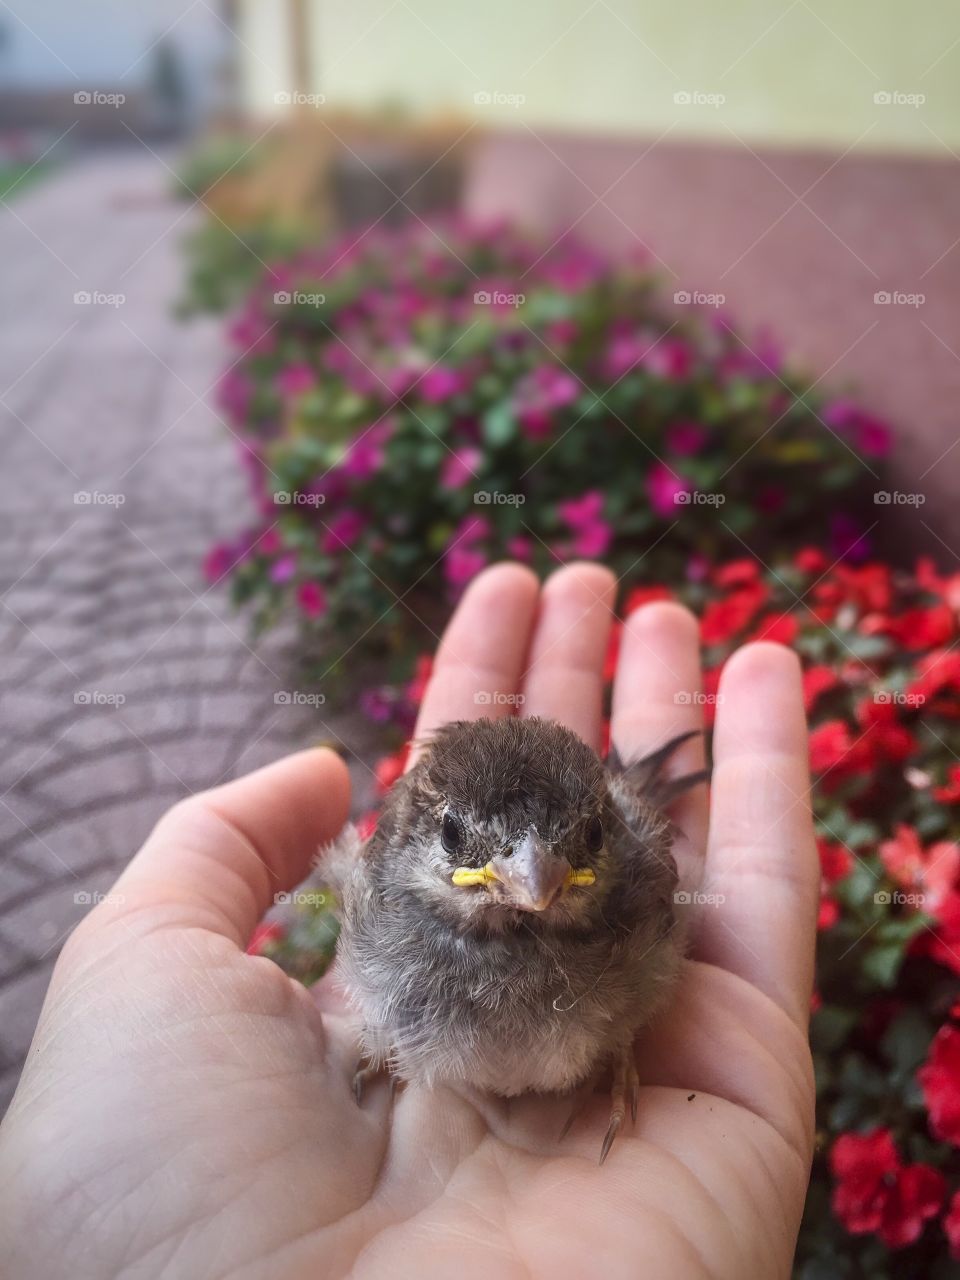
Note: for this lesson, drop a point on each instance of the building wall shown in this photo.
(768, 71)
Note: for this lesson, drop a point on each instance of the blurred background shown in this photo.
(799, 160)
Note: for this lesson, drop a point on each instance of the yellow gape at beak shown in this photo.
(474, 875)
(531, 874)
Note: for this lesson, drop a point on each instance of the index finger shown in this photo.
(477, 670)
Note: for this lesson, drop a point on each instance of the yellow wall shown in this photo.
(800, 72)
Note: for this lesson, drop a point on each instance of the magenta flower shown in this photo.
(520, 548)
(439, 384)
(294, 380)
(664, 487)
(685, 438)
(312, 599)
(540, 394)
(234, 393)
(218, 561)
(592, 534)
(459, 467)
(460, 564)
(670, 359)
(269, 543)
(282, 570)
(870, 435)
(364, 455)
(343, 531)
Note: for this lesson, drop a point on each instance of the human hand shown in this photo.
(187, 1109)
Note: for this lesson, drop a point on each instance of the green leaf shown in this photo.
(499, 424)
(882, 964)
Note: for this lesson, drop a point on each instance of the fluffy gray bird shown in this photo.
(510, 925)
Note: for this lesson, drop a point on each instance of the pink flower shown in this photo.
(462, 559)
(268, 543)
(670, 359)
(520, 548)
(218, 561)
(364, 455)
(685, 438)
(343, 531)
(460, 564)
(439, 384)
(870, 435)
(460, 466)
(592, 533)
(295, 379)
(282, 570)
(540, 394)
(664, 486)
(312, 599)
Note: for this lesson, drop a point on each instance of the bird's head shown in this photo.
(504, 817)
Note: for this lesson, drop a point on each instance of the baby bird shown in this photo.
(510, 925)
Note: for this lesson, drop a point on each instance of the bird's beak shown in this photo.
(532, 876)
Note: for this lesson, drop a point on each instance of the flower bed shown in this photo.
(882, 684)
(414, 404)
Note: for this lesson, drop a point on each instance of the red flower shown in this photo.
(939, 1078)
(931, 872)
(949, 793)
(951, 1225)
(389, 768)
(266, 932)
(816, 682)
(937, 686)
(924, 628)
(833, 746)
(943, 945)
(737, 573)
(810, 560)
(875, 1192)
(724, 619)
(836, 861)
(781, 628)
(644, 595)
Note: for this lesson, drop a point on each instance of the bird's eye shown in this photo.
(594, 835)
(450, 833)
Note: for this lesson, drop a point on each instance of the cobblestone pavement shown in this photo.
(124, 683)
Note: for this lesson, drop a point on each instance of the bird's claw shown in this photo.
(367, 1071)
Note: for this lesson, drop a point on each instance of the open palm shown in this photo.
(187, 1109)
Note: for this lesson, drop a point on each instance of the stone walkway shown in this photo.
(124, 683)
